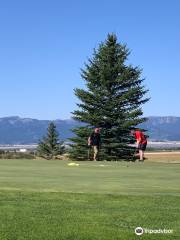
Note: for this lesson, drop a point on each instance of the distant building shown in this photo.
(22, 150)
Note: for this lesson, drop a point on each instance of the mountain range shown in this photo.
(163, 128)
(16, 130)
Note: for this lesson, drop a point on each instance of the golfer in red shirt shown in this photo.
(141, 141)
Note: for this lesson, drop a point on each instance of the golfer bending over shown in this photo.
(95, 140)
(141, 141)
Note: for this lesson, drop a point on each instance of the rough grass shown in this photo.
(49, 200)
(166, 157)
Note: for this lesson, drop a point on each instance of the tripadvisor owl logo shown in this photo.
(139, 231)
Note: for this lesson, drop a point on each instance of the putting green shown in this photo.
(51, 200)
(90, 177)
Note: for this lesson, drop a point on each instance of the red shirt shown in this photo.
(140, 137)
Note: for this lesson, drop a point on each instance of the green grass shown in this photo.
(49, 200)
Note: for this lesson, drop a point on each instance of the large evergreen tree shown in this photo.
(112, 101)
(49, 147)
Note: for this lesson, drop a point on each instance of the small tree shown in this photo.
(49, 147)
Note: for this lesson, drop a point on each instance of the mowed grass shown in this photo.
(50, 200)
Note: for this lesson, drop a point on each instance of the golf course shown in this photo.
(41, 199)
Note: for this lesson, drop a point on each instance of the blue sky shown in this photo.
(43, 45)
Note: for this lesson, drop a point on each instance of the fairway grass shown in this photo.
(50, 200)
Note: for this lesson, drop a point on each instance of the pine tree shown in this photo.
(49, 147)
(112, 101)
